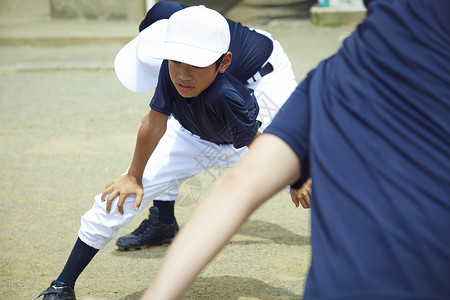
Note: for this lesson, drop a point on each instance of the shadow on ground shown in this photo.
(271, 233)
(231, 288)
(265, 232)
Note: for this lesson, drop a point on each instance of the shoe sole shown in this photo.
(125, 248)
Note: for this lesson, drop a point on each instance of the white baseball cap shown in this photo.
(196, 35)
(135, 65)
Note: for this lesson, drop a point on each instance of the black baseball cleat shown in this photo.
(151, 232)
(58, 291)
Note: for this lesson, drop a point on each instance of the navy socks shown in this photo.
(166, 210)
(82, 254)
(80, 257)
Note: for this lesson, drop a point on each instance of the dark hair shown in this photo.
(219, 61)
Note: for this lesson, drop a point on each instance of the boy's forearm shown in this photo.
(142, 152)
(148, 137)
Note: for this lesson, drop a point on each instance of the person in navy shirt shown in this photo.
(370, 125)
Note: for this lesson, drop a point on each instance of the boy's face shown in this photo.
(190, 81)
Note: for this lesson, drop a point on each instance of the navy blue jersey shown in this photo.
(372, 123)
(250, 49)
(224, 113)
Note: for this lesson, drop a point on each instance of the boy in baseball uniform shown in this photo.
(258, 61)
(200, 117)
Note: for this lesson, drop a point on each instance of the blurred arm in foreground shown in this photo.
(234, 197)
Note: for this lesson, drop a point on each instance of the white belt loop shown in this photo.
(262, 72)
(254, 78)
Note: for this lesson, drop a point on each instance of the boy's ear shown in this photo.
(226, 62)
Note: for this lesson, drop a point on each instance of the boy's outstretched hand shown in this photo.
(123, 186)
(302, 195)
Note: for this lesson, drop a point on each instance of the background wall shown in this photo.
(91, 9)
(14, 9)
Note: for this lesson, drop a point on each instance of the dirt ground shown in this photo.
(68, 127)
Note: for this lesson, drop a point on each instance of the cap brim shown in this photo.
(135, 65)
(187, 54)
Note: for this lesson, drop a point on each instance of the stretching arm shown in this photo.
(268, 167)
(151, 131)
